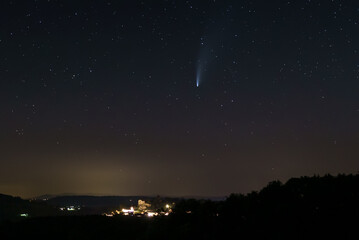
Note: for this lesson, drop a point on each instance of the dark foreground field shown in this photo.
(302, 208)
(98, 227)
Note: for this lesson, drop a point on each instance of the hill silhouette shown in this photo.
(11, 208)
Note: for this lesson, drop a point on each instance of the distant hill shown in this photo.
(43, 197)
(110, 201)
(11, 208)
(100, 204)
(96, 201)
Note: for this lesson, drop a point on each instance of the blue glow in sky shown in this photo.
(198, 78)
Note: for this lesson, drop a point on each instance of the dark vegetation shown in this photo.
(302, 208)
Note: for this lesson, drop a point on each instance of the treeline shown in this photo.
(302, 208)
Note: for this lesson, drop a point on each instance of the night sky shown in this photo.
(176, 98)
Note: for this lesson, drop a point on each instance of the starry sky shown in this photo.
(174, 97)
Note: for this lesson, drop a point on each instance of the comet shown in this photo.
(198, 77)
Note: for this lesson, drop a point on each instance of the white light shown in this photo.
(131, 210)
(150, 214)
(71, 208)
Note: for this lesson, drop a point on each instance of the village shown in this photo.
(143, 209)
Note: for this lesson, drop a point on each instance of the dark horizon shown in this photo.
(302, 208)
(175, 98)
(213, 197)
